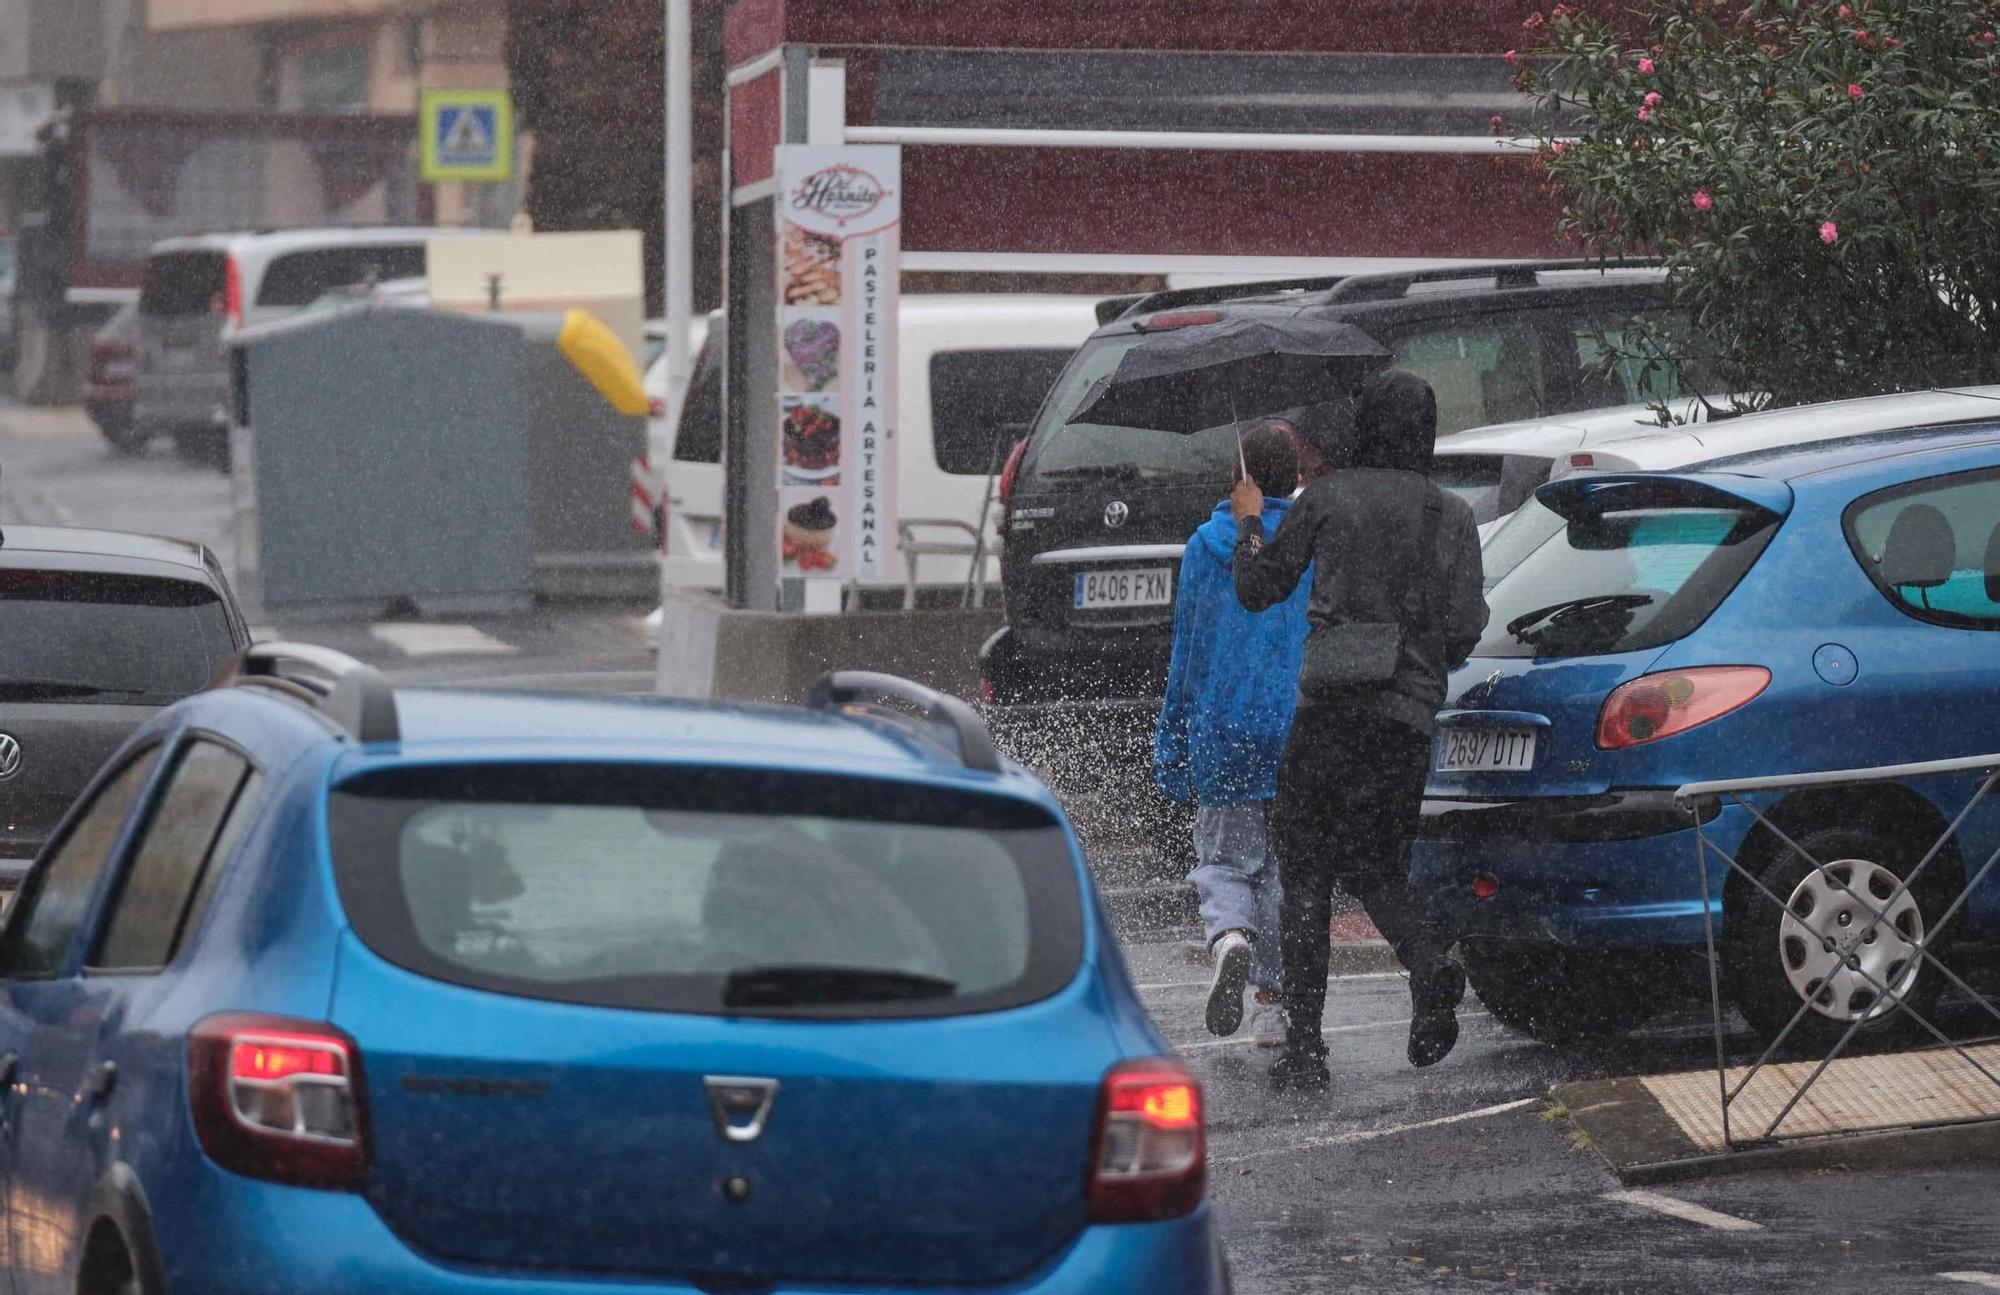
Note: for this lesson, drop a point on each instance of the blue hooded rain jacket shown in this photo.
(1234, 679)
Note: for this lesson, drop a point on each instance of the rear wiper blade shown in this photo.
(1570, 606)
(794, 986)
(30, 689)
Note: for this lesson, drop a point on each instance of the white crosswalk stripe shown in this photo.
(424, 639)
(1686, 1211)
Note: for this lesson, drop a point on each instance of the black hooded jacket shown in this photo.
(1358, 529)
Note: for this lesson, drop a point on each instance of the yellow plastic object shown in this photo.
(602, 359)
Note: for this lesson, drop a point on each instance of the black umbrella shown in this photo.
(1211, 375)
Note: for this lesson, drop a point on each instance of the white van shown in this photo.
(974, 367)
(201, 289)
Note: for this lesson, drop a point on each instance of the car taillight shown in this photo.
(1005, 490)
(232, 293)
(1661, 705)
(1181, 319)
(1149, 1158)
(279, 1099)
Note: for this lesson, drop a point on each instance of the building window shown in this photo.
(413, 45)
(334, 80)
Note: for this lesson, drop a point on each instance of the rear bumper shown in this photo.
(169, 400)
(1617, 871)
(1033, 666)
(242, 1232)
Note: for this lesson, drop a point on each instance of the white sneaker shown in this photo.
(1267, 1024)
(1232, 976)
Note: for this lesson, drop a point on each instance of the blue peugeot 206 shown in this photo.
(1827, 607)
(328, 987)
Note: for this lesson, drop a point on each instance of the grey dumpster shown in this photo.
(389, 457)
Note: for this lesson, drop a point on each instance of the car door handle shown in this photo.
(103, 1080)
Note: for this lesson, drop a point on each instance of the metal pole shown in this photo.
(679, 230)
(1714, 972)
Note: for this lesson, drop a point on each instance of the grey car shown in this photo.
(102, 629)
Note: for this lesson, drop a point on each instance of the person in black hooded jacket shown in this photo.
(1352, 778)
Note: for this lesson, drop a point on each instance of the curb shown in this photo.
(1640, 1143)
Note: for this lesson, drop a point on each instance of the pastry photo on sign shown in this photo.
(811, 267)
(810, 435)
(810, 530)
(812, 354)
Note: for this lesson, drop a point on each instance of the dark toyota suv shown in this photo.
(1096, 516)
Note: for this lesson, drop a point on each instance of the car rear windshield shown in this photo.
(182, 283)
(1063, 451)
(709, 891)
(984, 401)
(1624, 578)
(301, 278)
(1493, 485)
(108, 639)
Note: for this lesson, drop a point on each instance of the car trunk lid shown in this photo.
(48, 752)
(573, 987)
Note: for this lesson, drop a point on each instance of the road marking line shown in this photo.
(1686, 1211)
(1335, 979)
(1370, 1135)
(1990, 1281)
(420, 638)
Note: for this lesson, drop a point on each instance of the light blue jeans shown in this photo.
(1236, 880)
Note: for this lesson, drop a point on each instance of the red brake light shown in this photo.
(1583, 460)
(232, 292)
(1149, 1158)
(1660, 705)
(1180, 319)
(1012, 469)
(279, 1099)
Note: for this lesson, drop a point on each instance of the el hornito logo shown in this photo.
(840, 193)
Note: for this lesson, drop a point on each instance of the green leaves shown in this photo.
(1790, 116)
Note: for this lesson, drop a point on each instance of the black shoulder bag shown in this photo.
(1360, 653)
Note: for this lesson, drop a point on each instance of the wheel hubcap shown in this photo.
(1846, 968)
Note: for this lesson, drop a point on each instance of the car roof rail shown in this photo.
(1214, 294)
(353, 695)
(1505, 274)
(861, 692)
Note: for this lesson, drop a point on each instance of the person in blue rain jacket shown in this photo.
(1231, 688)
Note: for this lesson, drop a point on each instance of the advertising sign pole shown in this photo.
(839, 220)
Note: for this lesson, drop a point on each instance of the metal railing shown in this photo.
(1888, 998)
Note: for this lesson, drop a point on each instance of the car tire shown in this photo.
(1559, 994)
(1771, 960)
(124, 436)
(206, 447)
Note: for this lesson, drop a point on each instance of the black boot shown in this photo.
(1301, 1067)
(1434, 999)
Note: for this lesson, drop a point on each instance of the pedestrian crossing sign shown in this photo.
(468, 135)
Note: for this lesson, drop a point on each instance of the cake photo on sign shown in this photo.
(812, 355)
(812, 267)
(809, 531)
(811, 436)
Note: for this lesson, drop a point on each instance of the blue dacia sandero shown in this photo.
(327, 987)
(1832, 606)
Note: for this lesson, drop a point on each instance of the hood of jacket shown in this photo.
(1396, 422)
(1217, 535)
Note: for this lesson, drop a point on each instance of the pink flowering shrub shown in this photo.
(1821, 179)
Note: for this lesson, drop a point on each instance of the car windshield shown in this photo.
(1623, 578)
(109, 639)
(701, 891)
(1061, 450)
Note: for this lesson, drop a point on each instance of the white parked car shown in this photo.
(1666, 448)
(1496, 468)
(973, 371)
(201, 290)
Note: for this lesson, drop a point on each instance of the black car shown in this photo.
(1096, 516)
(98, 630)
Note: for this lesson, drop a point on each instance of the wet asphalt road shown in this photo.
(1453, 1179)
